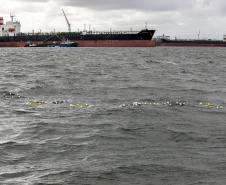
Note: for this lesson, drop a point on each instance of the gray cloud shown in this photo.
(145, 5)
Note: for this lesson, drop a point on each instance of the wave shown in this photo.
(186, 137)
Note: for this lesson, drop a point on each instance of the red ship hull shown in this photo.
(115, 43)
(92, 43)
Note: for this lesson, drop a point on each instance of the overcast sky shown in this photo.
(176, 18)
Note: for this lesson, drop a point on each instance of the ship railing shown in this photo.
(113, 32)
(216, 41)
(78, 33)
(204, 39)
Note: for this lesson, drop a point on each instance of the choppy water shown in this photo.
(108, 143)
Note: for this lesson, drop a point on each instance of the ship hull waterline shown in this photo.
(91, 43)
(192, 45)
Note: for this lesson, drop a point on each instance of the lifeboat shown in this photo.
(11, 29)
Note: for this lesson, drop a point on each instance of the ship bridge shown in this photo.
(11, 28)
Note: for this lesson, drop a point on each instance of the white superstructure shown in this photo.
(11, 28)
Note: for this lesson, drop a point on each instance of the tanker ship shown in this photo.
(11, 36)
(166, 41)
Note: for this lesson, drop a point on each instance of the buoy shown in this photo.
(124, 105)
(155, 103)
(59, 101)
(11, 95)
(180, 103)
(36, 102)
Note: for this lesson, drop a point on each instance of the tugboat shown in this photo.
(65, 43)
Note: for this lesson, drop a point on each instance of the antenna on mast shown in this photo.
(69, 25)
(199, 34)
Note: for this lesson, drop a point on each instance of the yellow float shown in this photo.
(81, 106)
(209, 105)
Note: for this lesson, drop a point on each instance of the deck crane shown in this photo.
(69, 25)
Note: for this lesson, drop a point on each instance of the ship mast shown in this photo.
(69, 25)
(12, 15)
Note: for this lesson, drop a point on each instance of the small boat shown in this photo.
(65, 43)
(29, 44)
(54, 44)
